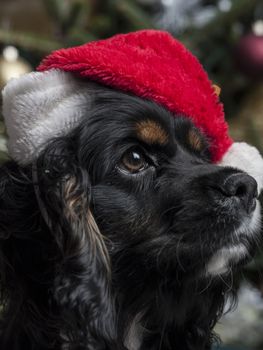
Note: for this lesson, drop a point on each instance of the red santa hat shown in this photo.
(150, 64)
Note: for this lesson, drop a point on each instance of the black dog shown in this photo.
(122, 234)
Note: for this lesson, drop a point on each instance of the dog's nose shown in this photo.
(243, 187)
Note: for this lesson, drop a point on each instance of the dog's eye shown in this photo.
(134, 161)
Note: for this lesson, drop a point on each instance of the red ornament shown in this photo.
(249, 55)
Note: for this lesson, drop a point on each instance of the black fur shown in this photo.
(87, 248)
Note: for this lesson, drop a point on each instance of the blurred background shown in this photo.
(227, 37)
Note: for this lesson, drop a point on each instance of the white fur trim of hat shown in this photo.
(40, 106)
(247, 158)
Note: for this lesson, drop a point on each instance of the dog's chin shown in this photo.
(241, 249)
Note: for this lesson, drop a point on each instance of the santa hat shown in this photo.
(150, 64)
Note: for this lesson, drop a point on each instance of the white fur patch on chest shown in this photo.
(219, 263)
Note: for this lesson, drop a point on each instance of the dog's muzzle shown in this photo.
(241, 189)
(238, 194)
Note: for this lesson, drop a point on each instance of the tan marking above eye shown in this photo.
(195, 140)
(151, 132)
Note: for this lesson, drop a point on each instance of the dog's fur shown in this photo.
(96, 257)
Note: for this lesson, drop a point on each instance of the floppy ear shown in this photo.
(54, 266)
(83, 272)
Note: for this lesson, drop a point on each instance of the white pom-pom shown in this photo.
(247, 158)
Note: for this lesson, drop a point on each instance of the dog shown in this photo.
(122, 234)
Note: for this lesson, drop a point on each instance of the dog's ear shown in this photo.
(55, 272)
(83, 272)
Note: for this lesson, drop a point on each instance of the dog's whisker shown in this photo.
(207, 286)
(178, 252)
(161, 250)
(229, 286)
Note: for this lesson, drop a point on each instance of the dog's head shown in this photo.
(154, 192)
(145, 180)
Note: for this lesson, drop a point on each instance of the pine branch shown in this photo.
(134, 14)
(28, 41)
(239, 9)
(64, 16)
